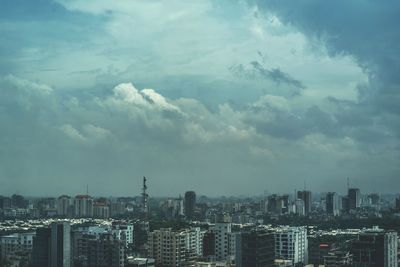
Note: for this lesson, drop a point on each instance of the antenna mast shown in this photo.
(145, 199)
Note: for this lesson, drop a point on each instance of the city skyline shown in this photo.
(220, 97)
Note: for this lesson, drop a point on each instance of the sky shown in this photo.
(223, 97)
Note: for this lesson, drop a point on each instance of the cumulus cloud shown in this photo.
(102, 135)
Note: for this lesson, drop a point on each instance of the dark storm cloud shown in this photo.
(365, 29)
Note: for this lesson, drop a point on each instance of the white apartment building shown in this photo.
(123, 232)
(224, 241)
(194, 241)
(83, 206)
(291, 244)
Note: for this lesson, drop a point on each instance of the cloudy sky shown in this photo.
(224, 97)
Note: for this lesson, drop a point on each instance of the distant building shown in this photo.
(18, 201)
(345, 204)
(65, 206)
(397, 206)
(374, 199)
(117, 209)
(291, 244)
(306, 197)
(5, 202)
(190, 204)
(255, 248)
(354, 198)
(375, 248)
(332, 204)
(173, 208)
(299, 207)
(101, 210)
(83, 206)
(278, 204)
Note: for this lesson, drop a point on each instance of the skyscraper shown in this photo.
(332, 203)
(190, 204)
(52, 246)
(354, 198)
(60, 249)
(306, 197)
(41, 248)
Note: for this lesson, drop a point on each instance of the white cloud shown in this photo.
(72, 133)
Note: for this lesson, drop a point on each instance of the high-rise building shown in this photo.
(194, 242)
(345, 204)
(209, 246)
(123, 232)
(224, 241)
(60, 249)
(101, 210)
(278, 204)
(65, 206)
(306, 197)
(299, 207)
(190, 204)
(5, 203)
(105, 250)
(145, 200)
(374, 199)
(375, 248)
(52, 246)
(97, 249)
(173, 208)
(291, 244)
(255, 248)
(18, 201)
(41, 248)
(397, 204)
(83, 205)
(332, 203)
(141, 231)
(171, 248)
(354, 198)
